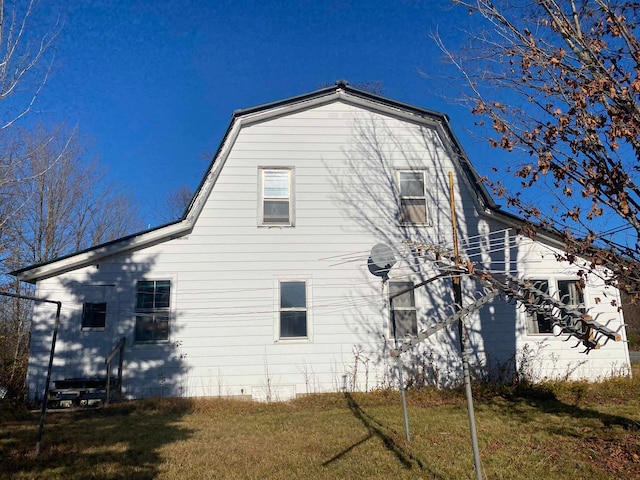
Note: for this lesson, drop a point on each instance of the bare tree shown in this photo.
(25, 63)
(66, 204)
(559, 84)
(176, 204)
(26, 57)
(61, 203)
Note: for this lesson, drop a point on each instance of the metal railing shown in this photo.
(118, 349)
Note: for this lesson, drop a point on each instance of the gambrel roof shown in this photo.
(341, 92)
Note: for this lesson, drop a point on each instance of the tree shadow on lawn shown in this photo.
(600, 434)
(121, 441)
(378, 430)
(542, 399)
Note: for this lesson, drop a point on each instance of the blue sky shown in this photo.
(153, 84)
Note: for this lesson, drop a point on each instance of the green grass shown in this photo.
(551, 431)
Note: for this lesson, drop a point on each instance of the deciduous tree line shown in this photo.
(54, 199)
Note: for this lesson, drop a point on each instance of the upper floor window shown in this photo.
(152, 310)
(293, 310)
(403, 312)
(94, 315)
(276, 205)
(413, 197)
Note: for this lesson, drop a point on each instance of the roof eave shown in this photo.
(542, 234)
(93, 255)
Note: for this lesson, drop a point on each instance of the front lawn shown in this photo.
(553, 431)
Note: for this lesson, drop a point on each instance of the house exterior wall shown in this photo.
(225, 274)
(558, 356)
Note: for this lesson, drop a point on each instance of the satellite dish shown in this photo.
(382, 259)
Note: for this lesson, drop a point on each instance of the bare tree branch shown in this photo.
(559, 83)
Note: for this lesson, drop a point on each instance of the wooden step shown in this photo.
(83, 392)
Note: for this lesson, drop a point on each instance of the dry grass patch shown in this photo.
(558, 430)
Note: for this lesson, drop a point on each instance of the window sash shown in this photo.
(412, 184)
(539, 323)
(276, 197)
(570, 294)
(276, 183)
(293, 295)
(413, 199)
(153, 294)
(293, 310)
(404, 311)
(94, 315)
(567, 291)
(275, 211)
(152, 327)
(153, 300)
(293, 324)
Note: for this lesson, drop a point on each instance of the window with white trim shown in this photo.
(403, 312)
(153, 298)
(276, 199)
(293, 321)
(539, 322)
(413, 197)
(570, 292)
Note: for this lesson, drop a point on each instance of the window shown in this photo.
(276, 202)
(293, 309)
(403, 311)
(94, 315)
(568, 291)
(152, 310)
(571, 294)
(413, 199)
(539, 322)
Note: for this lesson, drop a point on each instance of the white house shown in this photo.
(263, 288)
